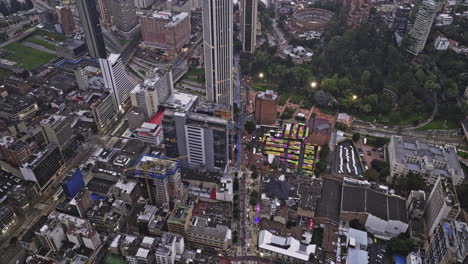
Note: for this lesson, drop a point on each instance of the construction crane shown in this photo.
(144, 167)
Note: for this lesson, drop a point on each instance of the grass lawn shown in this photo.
(295, 99)
(288, 113)
(51, 35)
(4, 74)
(259, 88)
(462, 154)
(439, 124)
(306, 104)
(197, 80)
(283, 98)
(26, 57)
(196, 71)
(41, 42)
(115, 259)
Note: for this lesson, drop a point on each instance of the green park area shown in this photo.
(26, 57)
(196, 75)
(115, 259)
(4, 74)
(45, 44)
(51, 35)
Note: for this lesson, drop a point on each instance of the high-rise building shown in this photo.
(104, 11)
(154, 91)
(218, 49)
(89, 16)
(43, 165)
(442, 204)
(249, 25)
(196, 134)
(124, 18)
(160, 179)
(65, 18)
(166, 31)
(171, 245)
(422, 26)
(265, 107)
(401, 18)
(14, 151)
(449, 243)
(115, 78)
(104, 109)
(57, 129)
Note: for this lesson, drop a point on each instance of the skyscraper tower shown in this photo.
(422, 26)
(218, 48)
(249, 25)
(115, 78)
(89, 17)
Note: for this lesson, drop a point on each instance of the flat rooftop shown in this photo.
(180, 101)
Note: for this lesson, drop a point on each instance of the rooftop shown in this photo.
(205, 226)
(156, 167)
(287, 246)
(180, 101)
(179, 214)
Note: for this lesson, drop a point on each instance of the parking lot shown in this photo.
(377, 252)
(347, 159)
(369, 153)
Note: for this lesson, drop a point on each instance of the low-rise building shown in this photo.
(7, 218)
(443, 20)
(71, 49)
(203, 233)
(441, 43)
(17, 108)
(14, 151)
(179, 220)
(287, 249)
(170, 247)
(383, 214)
(429, 161)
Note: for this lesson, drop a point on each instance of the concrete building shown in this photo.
(249, 25)
(166, 31)
(356, 245)
(104, 109)
(105, 13)
(144, 4)
(441, 43)
(383, 214)
(288, 249)
(57, 129)
(14, 151)
(443, 20)
(147, 96)
(449, 243)
(65, 18)
(115, 78)
(160, 178)
(124, 18)
(17, 108)
(401, 18)
(71, 49)
(265, 107)
(171, 245)
(7, 219)
(422, 26)
(43, 165)
(89, 16)
(200, 139)
(204, 233)
(442, 204)
(430, 161)
(127, 191)
(416, 204)
(179, 220)
(218, 49)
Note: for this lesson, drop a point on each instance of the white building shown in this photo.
(171, 245)
(150, 133)
(444, 20)
(430, 161)
(143, 4)
(103, 109)
(422, 26)
(154, 91)
(218, 50)
(442, 204)
(115, 78)
(287, 248)
(441, 43)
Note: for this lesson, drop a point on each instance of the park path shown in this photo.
(38, 47)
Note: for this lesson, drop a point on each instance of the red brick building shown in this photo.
(14, 151)
(358, 12)
(166, 31)
(65, 18)
(265, 107)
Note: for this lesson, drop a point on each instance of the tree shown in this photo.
(235, 184)
(410, 182)
(254, 198)
(401, 246)
(430, 85)
(250, 126)
(371, 175)
(452, 89)
(330, 86)
(357, 225)
(356, 137)
(254, 174)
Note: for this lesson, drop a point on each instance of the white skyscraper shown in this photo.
(115, 78)
(422, 26)
(249, 25)
(218, 48)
